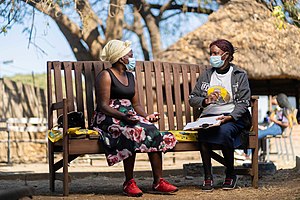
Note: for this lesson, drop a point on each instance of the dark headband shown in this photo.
(224, 45)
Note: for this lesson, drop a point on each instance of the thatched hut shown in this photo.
(271, 56)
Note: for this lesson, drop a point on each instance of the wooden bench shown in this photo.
(163, 87)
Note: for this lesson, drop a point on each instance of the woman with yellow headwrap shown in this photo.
(123, 124)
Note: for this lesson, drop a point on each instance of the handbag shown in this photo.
(75, 119)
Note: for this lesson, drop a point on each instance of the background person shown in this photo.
(122, 122)
(222, 89)
(280, 117)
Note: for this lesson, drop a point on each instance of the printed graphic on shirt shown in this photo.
(224, 94)
(204, 86)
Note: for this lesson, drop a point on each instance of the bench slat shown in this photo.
(186, 92)
(159, 94)
(89, 89)
(58, 84)
(78, 85)
(49, 94)
(148, 87)
(178, 104)
(169, 98)
(98, 67)
(69, 86)
(139, 81)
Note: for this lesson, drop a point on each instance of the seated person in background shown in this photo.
(267, 121)
(124, 126)
(280, 117)
(222, 90)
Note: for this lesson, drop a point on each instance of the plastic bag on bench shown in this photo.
(185, 136)
(56, 133)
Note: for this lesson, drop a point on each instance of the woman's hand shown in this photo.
(225, 119)
(212, 98)
(130, 119)
(153, 117)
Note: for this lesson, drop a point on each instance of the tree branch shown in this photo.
(151, 23)
(90, 22)
(115, 20)
(138, 29)
(171, 6)
(70, 30)
(164, 8)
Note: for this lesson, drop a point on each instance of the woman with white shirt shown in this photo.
(222, 90)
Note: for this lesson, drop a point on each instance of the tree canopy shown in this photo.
(88, 25)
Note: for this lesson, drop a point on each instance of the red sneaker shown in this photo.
(164, 186)
(131, 189)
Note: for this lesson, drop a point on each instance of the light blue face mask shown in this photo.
(216, 61)
(131, 64)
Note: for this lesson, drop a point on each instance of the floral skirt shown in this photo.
(121, 140)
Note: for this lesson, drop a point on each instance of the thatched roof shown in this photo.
(263, 50)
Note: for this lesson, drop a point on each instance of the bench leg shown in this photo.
(255, 168)
(286, 149)
(65, 166)
(268, 149)
(281, 149)
(277, 148)
(292, 148)
(51, 166)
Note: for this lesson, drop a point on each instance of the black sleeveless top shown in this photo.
(120, 91)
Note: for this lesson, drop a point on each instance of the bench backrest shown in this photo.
(163, 87)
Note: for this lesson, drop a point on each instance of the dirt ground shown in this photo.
(284, 184)
(101, 182)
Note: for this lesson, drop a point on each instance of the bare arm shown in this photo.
(280, 123)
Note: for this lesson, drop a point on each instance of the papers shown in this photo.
(205, 122)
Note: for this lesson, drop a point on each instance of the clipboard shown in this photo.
(203, 123)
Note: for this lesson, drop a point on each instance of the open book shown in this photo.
(204, 122)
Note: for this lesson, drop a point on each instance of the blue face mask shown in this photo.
(216, 61)
(131, 64)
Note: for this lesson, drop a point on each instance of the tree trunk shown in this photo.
(90, 21)
(151, 25)
(138, 29)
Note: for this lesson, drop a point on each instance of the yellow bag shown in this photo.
(55, 134)
(185, 136)
(79, 131)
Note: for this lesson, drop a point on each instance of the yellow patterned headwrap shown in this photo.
(114, 50)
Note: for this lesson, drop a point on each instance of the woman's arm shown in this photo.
(196, 97)
(284, 123)
(243, 101)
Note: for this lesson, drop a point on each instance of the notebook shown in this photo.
(204, 122)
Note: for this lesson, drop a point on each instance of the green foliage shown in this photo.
(39, 80)
(3, 30)
(280, 17)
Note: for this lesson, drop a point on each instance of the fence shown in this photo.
(23, 112)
